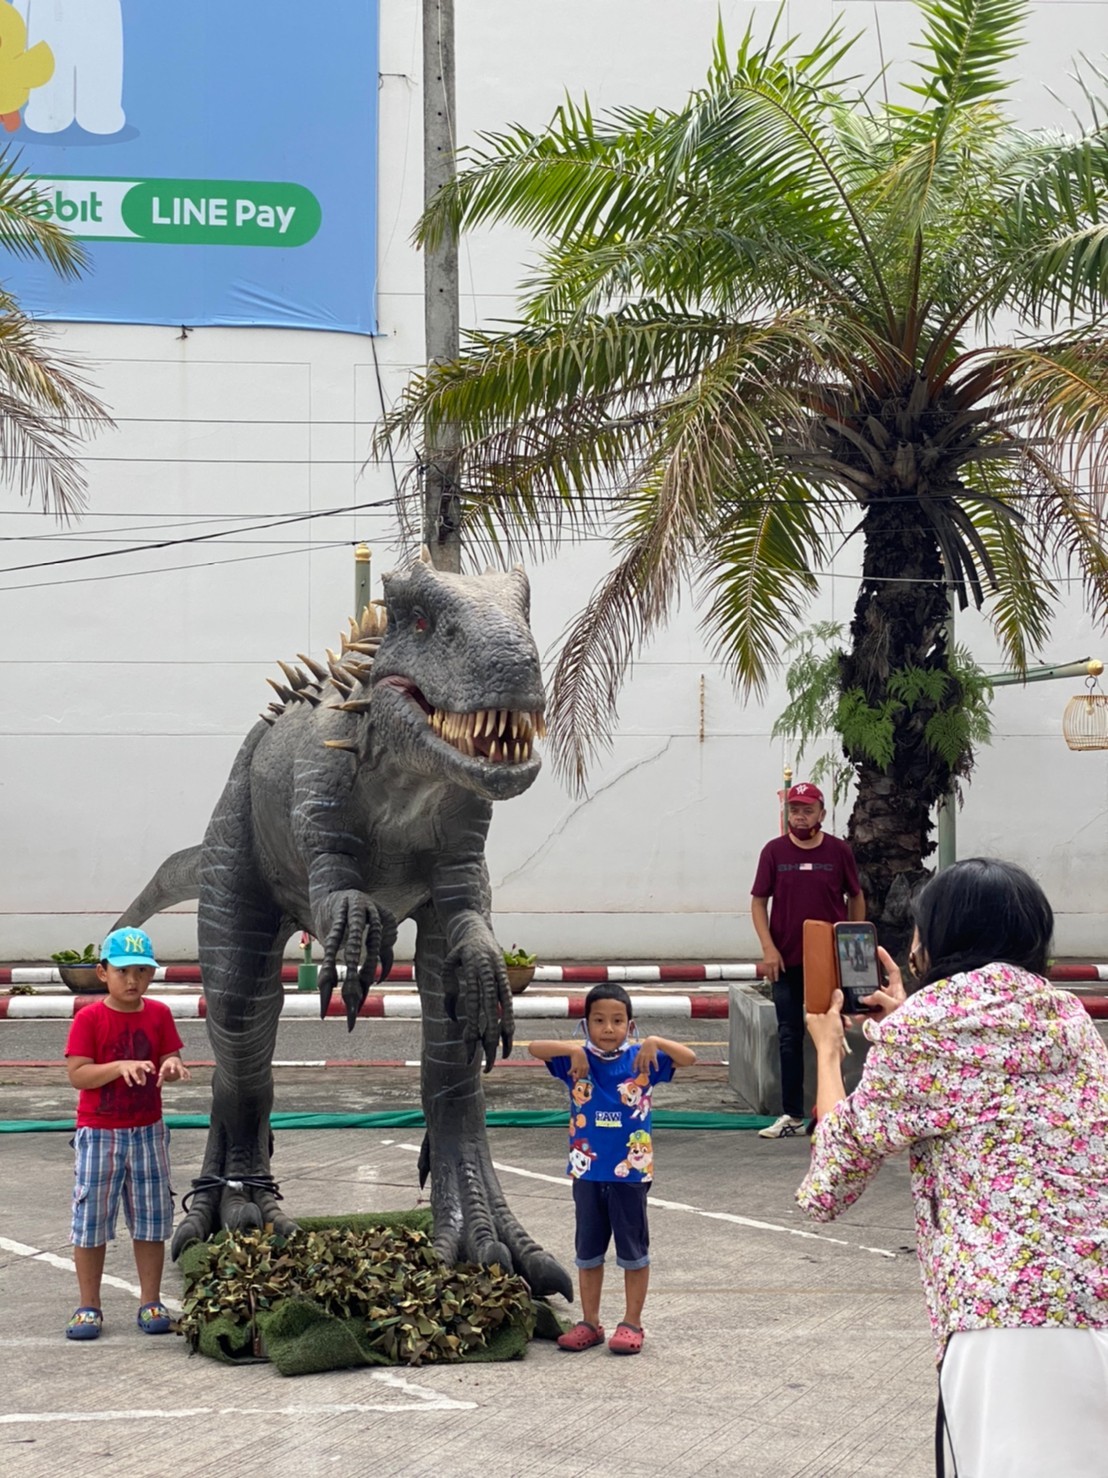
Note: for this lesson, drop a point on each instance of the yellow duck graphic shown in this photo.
(20, 69)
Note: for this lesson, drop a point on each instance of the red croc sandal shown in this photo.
(581, 1337)
(627, 1339)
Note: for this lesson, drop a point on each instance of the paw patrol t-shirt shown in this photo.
(609, 1115)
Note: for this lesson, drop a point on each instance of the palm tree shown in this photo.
(780, 315)
(46, 408)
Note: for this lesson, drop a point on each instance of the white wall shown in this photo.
(131, 680)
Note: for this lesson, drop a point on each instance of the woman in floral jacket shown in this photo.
(997, 1083)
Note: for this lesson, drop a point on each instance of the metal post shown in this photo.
(363, 578)
(1086, 667)
(441, 505)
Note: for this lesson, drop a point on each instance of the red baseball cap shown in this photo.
(805, 795)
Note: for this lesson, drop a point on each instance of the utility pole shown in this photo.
(441, 505)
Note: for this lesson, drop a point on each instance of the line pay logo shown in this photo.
(198, 212)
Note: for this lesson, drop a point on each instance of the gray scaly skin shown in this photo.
(364, 798)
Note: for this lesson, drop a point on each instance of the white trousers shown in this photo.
(1027, 1403)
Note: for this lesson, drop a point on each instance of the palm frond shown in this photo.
(46, 411)
(965, 43)
(26, 230)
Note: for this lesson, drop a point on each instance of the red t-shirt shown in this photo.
(804, 883)
(107, 1035)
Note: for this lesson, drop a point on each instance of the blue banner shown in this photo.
(217, 158)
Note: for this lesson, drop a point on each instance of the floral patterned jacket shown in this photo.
(998, 1084)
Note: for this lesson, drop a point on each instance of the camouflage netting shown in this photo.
(350, 1291)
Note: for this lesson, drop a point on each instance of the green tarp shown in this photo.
(413, 1119)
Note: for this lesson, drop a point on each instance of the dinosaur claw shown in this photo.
(326, 991)
(507, 1040)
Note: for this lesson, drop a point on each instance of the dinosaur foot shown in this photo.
(473, 1223)
(233, 1204)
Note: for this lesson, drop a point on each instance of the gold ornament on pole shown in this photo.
(1085, 721)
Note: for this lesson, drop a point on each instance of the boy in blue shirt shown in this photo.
(610, 1155)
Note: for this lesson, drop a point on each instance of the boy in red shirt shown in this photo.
(121, 1049)
(808, 874)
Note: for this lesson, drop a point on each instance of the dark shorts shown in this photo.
(607, 1209)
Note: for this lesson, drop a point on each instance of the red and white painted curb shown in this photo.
(402, 972)
(306, 1006)
(672, 974)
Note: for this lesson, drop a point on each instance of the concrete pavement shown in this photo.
(775, 1348)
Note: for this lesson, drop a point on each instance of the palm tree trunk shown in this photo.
(899, 622)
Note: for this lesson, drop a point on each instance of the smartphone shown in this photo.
(856, 961)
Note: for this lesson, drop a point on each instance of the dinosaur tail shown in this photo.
(174, 882)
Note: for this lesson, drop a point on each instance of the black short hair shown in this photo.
(982, 911)
(608, 991)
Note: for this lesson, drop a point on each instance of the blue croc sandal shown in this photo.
(85, 1324)
(154, 1319)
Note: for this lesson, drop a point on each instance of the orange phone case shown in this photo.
(821, 973)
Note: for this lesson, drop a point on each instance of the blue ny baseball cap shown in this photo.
(128, 947)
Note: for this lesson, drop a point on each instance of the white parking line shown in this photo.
(67, 1265)
(421, 1398)
(742, 1221)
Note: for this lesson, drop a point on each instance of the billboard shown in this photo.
(217, 159)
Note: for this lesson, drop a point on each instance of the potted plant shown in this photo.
(78, 971)
(521, 969)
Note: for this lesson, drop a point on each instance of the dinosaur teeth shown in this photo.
(498, 735)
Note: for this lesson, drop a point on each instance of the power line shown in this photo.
(191, 539)
(172, 569)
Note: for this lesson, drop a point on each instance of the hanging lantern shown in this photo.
(1085, 721)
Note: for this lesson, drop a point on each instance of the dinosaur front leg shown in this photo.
(472, 1220)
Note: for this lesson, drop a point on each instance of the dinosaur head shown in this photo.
(456, 682)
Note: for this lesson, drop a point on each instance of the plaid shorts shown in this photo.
(127, 1164)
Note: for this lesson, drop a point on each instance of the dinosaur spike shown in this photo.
(317, 669)
(269, 718)
(311, 696)
(357, 705)
(425, 555)
(277, 708)
(294, 675)
(367, 648)
(339, 675)
(354, 629)
(344, 644)
(340, 744)
(282, 692)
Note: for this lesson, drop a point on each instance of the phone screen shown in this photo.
(859, 974)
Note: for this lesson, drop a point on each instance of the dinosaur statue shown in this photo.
(362, 799)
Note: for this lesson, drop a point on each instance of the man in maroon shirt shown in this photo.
(809, 875)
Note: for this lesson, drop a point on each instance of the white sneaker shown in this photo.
(781, 1128)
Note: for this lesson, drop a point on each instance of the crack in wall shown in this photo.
(649, 759)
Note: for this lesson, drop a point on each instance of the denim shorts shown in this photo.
(607, 1209)
(128, 1165)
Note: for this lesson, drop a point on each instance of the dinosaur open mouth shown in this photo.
(503, 736)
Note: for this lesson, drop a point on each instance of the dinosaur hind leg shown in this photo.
(471, 1216)
(241, 936)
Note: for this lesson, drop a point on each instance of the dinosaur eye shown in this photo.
(420, 622)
